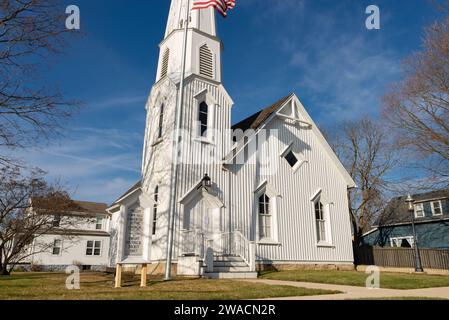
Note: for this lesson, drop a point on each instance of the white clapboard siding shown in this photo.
(234, 185)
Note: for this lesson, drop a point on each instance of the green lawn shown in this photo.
(354, 278)
(99, 286)
(404, 298)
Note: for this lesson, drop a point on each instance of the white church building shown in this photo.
(265, 192)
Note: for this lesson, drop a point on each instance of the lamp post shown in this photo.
(418, 264)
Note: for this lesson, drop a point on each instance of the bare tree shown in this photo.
(30, 31)
(28, 207)
(366, 151)
(417, 109)
(441, 5)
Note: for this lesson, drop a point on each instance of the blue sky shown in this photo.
(319, 49)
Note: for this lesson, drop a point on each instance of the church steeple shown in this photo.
(202, 20)
(203, 47)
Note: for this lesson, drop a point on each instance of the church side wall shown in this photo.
(295, 216)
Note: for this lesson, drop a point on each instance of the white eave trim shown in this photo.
(127, 195)
(369, 232)
(190, 191)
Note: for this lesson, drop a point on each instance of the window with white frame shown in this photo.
(419, 210)
(93, 248)
(437, 208)
(291, 159)
(320, 220)
(402, 242)
(57, 247)
(265, 217)
(99, 223)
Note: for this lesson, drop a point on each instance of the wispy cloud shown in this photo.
(96, 164)
(342, 74)
(118, 102)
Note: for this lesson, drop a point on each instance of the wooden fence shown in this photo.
(402, 257)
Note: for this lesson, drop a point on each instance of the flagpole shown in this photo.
(175, 165)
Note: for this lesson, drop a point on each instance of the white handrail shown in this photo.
(230, 243)
(245, 249)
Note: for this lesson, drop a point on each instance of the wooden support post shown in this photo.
(143, 275)
(118, 276)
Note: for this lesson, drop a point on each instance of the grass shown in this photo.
(354, 278)
(404, 298)
(99, 286)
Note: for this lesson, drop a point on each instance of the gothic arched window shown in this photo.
(203, 118)
(161, 122)
(265, 215)
(320, 220)
(155, 204)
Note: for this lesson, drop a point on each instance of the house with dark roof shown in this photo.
(394, 226)
(80, 237)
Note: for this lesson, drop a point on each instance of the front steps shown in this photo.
(230, 267)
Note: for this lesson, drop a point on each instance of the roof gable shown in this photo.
(260, 119)
(256, 120)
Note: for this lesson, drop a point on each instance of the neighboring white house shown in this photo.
(82, 240)
(277, 194)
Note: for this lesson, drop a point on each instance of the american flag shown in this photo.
(222, 6)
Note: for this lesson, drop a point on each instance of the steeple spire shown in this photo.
(203, 20)
(203, 56)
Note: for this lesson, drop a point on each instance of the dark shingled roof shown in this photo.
(66, 206)
(90, 208)
(257, 119)
(397, 212)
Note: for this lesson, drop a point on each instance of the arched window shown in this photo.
(265, 216)
(161, 122)
(155, 205)
(206, 62)
(165, 59)
(320, 220)
(203, 118)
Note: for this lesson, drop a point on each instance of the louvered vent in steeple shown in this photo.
(164, 67)
(206, 62)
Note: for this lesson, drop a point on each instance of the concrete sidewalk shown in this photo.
(351, 293)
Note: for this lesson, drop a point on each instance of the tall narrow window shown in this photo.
(437, 208)
(320, 221)
(161, 122)
(203, 117)
(206, 62)
(164, 67)
(264, 217)
(419, 210)
(57, 246)
(156, 199)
